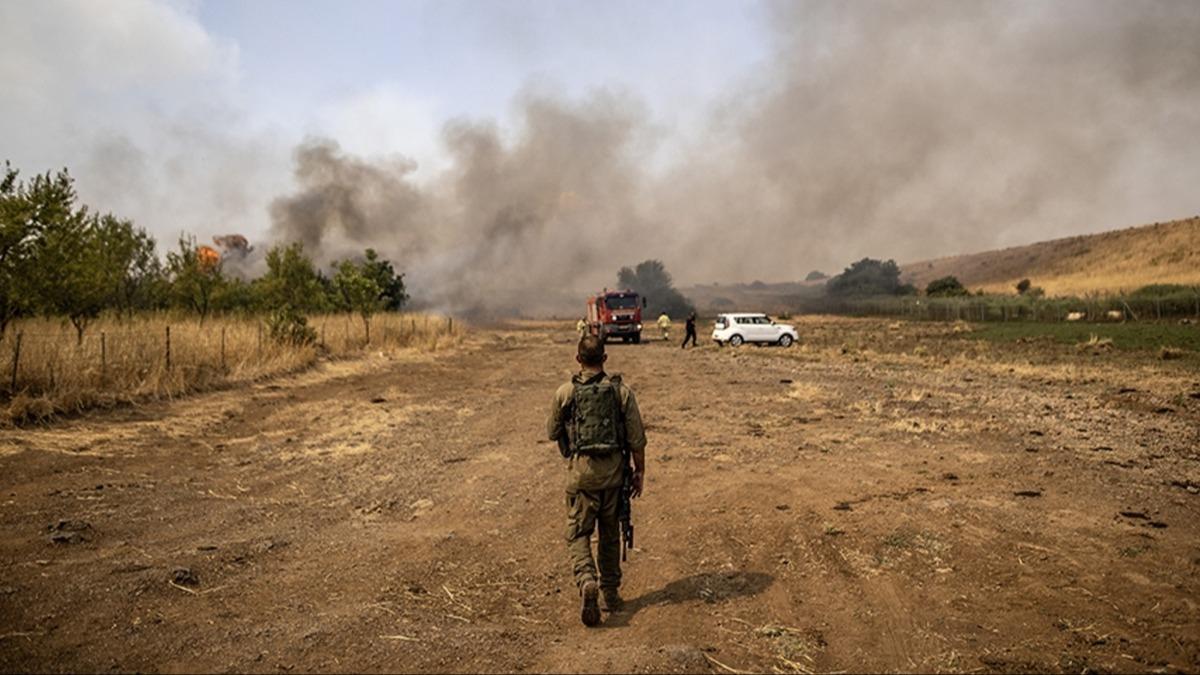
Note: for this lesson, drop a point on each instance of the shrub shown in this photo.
(945, 287)
(867, 277)
(288, 326)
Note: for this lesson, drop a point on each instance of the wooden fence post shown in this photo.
(168, 348)
(103, 357)
(223, 368)
(16, 361)
(450, 325)
(258, 349)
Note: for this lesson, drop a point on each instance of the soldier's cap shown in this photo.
(591, 350)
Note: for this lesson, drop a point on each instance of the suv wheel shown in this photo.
(736, 341)
(785, 341)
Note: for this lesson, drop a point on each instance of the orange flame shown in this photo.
(208, 256)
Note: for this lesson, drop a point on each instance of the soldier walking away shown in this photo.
(664, 325)
(595, 420)
(691, 331)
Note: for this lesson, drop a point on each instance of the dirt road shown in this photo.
(827, 507)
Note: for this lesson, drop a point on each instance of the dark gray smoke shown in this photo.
(906, 129)
(504, 225)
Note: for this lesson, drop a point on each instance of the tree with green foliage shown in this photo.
(19, 228)
(134, 273)
(236, 295)
(651, 280)
(59, 260)
(69, 269)
(292, 280)
(81, 285)
(816, 275)
(1023, 286)
(391, 285)
(948, 286)
(358, 291)
(194, 282)
(868, 277)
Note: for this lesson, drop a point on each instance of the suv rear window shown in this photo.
(722, 322)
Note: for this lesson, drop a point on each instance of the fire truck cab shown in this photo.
(614, 314)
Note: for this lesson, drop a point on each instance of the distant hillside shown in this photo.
(775, 298)
(1120, 260)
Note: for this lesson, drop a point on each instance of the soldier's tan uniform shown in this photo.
(593, 486)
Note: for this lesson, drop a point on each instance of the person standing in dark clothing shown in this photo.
(691, 331)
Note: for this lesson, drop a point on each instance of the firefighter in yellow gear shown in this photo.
(581, 327)
(664, 325)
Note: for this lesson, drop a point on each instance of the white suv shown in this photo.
(734, 329)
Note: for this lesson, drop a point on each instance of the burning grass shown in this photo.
(160, 356)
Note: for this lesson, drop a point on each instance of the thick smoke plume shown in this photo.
(510, 227)
(891, 129)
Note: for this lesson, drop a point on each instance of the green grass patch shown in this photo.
(1141, 336)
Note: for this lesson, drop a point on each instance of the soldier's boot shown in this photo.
(610, 600)
(589, 612)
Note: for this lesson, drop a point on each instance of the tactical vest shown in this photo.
(597, 427)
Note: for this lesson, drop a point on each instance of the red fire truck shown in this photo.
(614, 314)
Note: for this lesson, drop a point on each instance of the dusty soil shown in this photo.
(875, 498)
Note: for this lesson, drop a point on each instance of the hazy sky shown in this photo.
(184, 114)
(733, 140)
(384, 75)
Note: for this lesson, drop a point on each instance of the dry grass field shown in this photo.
(149, 357)
(1109, 262)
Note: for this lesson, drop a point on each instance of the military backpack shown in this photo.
(597, 427)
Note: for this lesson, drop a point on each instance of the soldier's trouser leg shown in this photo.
(586, 508)
(608, 548)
